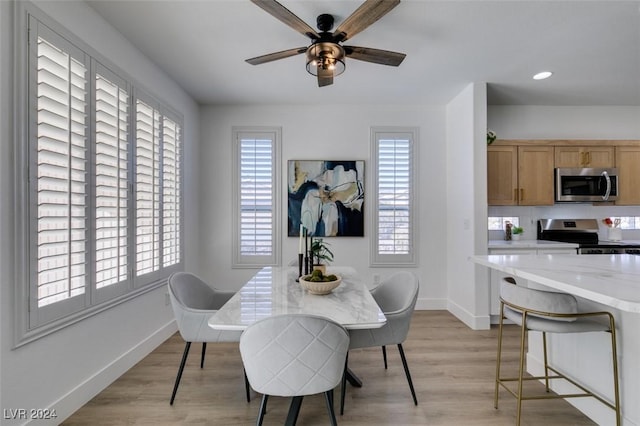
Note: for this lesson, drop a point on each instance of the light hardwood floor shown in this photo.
(453, 371)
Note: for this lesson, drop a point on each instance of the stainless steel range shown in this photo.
(585, 233)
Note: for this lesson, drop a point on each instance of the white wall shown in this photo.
(468, 290)
(324, 132)
(6, 118)
(566, 122)
(67, 368)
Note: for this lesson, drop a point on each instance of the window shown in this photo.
(91, 182)
(147, 188)
(497, 223)
(111, 173)
(628, 222)
(256, 236)
(59, 75)
(158, 190)
(171, 192)
(393, 153)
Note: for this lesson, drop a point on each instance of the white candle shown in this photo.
(301, 239)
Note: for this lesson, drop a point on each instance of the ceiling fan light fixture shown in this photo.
(327, 56)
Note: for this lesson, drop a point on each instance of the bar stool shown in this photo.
(549, 312)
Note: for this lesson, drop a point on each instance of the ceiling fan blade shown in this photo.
(325, 77)
(368, 13)
(377, 56)
(276, 55)
(280, 12)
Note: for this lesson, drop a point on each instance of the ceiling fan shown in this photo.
(326, 54)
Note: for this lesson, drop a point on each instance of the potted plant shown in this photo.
(320, 254)
(491, 137)
(516, 232)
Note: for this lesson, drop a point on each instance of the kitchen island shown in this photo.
(604, 282)
(518, 247)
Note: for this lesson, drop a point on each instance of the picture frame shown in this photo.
(326, 197)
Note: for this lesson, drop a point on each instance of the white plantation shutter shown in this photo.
(59, 172)
(171, 192)
(102, 190)
(393, 196)
(147, 188)
(111, 181)
(256, 204)
(393, 154)
(255, 208)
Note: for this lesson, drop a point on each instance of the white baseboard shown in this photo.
(69, 403)
(425, 304)
(472, 321)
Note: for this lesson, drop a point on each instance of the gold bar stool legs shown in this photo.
(614, 355)
(498, 358)
(523, 335)
(546, 361)
(549, 312)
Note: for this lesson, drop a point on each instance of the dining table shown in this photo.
(274, 290)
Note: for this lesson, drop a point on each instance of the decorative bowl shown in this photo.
(319, 287)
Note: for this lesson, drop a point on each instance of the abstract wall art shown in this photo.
(326, 197)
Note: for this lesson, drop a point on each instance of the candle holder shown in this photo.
(300, 260)
(306, 265)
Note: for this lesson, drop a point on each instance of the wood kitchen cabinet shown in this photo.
(520, 175)
(502, 175)
(628, 165)
(584, 156)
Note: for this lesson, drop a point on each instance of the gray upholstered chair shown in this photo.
(294, 356)
(193, 302)
(549, 312)
(396, 296)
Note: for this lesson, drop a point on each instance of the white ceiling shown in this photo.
(593, 48)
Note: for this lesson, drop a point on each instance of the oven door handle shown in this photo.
(605, 197)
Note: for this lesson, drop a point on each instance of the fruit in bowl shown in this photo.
(319, 283)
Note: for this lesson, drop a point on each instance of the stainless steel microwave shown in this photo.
(586, 184)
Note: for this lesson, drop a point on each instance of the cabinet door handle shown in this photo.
(588, 158)
(515, 194)
(521, 194)
(583, 160)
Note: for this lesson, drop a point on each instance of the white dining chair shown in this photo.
(396, 295)
(194, 302)
(549, 312)
(294, 355)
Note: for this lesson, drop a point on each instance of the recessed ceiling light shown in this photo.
(542, 75)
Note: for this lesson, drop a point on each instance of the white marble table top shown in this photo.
(274, 291)
(613, 280)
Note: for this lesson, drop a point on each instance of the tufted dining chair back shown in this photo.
(294, 356)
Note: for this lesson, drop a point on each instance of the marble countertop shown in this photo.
(613, 280)
(622, 242)
(528, 244)
(274, 291)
